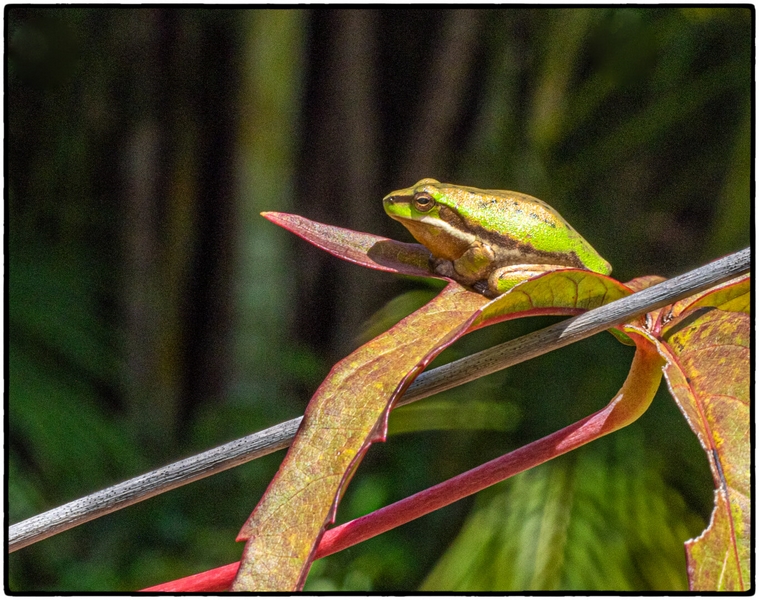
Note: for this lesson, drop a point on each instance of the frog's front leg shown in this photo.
(504, 278)
(472, 266)
(475, 263)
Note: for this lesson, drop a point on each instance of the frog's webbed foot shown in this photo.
(443, 267)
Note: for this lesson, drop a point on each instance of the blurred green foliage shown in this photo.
(594, 520)
(153, 314)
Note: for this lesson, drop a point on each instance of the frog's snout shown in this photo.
(391, 199)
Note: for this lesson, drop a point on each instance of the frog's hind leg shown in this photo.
(503, 279)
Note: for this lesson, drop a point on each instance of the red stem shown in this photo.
(629, 403)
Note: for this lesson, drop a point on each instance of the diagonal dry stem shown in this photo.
(456, 373)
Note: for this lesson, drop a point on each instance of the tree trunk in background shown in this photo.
(443, 98)
(150, 395)
(177, 204)
(345, 145)
(338, 171)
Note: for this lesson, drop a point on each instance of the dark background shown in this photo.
(153, 314)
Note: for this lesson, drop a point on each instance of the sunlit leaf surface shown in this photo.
(709, 376)
(707, 348)
(733, 296)
(349, 411)
(568, 291)
(704, 569)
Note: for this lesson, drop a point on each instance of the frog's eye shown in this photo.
(423, 202)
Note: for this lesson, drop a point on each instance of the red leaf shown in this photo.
(360, 248)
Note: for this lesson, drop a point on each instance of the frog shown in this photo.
(490, 240)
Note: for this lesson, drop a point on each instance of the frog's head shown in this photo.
(431, 217)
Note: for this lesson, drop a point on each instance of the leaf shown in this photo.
(350, 409)
(708, 372)
(562, 292)
(629, 403)
(566, 291)
(732, 296)
(707, 352)
(347, 413)
(644, 282)
(288, 523)
(364, 249)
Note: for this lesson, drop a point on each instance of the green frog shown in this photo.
(490, 239)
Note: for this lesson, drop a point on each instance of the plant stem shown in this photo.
(628, 404)
(437, 380)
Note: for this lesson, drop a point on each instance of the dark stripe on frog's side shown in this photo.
(528, 254)
(449, 216)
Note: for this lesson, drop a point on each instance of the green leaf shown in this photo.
(732, 296)
(563, 292)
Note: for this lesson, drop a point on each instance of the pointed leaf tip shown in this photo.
(365, 249)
